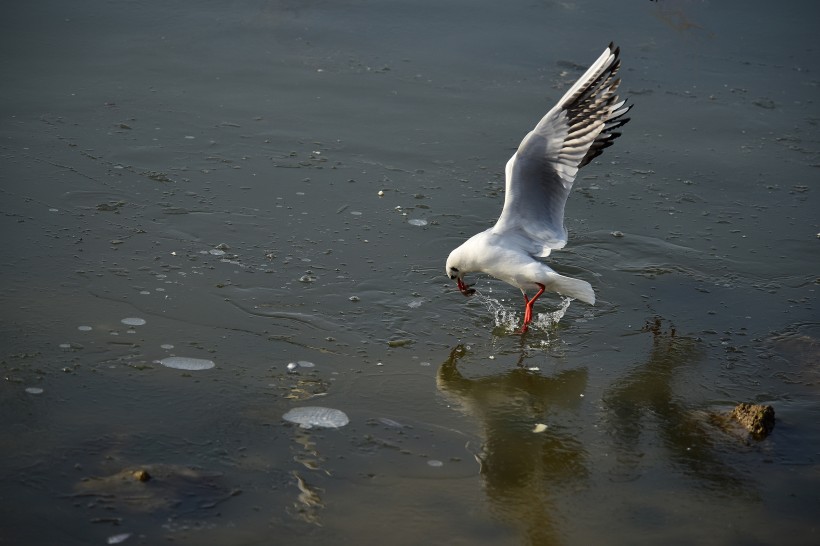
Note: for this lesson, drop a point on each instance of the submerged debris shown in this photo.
(309, 501)
(153, 488)
(110, 206)
(757, 419)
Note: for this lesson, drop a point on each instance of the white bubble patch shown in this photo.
(186, 363)
(133, 321)
(316, 416)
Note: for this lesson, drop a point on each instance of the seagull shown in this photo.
(539, 178)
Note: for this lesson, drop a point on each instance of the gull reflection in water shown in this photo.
(522, 469)
(531, 471)
(647, 408)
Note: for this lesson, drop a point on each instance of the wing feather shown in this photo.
(540, 174)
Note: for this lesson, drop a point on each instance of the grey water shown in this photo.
(264, 193)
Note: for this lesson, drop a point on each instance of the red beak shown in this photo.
(465, 288)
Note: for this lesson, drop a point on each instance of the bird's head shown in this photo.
(455, 271)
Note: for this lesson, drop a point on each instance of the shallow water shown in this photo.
(215, 171)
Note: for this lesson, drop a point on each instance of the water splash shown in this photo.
(510, 319)
(504, 318)
(547, 320)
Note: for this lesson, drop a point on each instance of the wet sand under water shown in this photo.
(215, 172)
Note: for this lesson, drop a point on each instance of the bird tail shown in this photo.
(573, 288)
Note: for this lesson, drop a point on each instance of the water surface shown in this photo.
(273, 183)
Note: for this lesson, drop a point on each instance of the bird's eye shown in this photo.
(454, 269)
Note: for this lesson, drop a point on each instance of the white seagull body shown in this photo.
(539, 178)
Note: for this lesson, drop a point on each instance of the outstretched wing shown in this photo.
(541, 172)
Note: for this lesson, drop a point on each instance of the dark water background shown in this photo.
(214, 167)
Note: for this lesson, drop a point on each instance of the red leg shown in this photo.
(528, 308)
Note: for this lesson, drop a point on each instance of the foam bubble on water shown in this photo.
(305, 364)
(187, 363)
(166, 346)
(84, 328)
(34, 390)
(435, 463)
(119, 539)
(316, 416)
(417, 222)
(133, 321)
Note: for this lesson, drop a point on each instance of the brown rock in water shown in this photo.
(758, 419)
(141, 475)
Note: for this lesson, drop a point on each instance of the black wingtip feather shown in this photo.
(591, 97)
